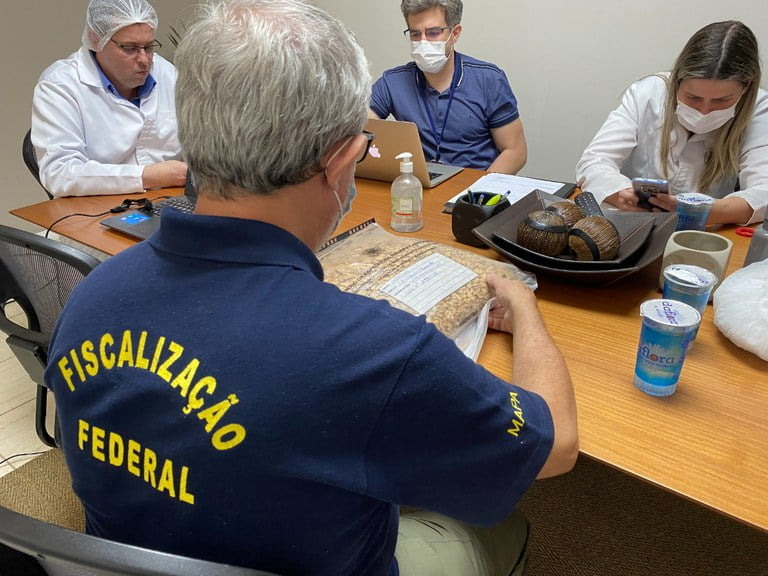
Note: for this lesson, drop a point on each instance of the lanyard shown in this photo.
(438, 137)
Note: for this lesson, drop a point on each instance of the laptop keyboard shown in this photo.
(180, 203)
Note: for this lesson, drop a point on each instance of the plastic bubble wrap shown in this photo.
(741, 308)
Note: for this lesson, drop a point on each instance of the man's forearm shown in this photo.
(510, 161)
(539, 366)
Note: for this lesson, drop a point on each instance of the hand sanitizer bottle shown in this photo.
(406, 197)
(758, 246)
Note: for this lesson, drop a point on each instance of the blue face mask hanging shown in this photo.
(343, 209)
(347, 206)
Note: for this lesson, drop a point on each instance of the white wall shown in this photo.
(567, 61)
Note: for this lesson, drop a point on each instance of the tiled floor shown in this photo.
(17, 408)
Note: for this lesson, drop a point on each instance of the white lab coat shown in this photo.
(627, 146)
(90, 141)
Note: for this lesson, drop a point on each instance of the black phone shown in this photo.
(645, 188)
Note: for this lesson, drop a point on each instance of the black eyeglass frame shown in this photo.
(131, 49)
(425, 33)
(369, 136)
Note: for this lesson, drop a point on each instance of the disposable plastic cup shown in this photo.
(690, 284)
(693, 210)
(667, 328)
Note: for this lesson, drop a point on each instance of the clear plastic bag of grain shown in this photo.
(442, 282)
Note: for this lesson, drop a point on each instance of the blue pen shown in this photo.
(482, 199)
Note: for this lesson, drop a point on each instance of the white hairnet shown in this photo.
(105, 17)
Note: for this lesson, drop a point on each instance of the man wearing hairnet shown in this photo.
(103, 120)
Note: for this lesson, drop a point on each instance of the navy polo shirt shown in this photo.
(217, 399)
(483, 100)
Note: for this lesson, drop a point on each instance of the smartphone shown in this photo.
(645, 188)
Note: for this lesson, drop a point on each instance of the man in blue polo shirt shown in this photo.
(217, 399)
(464, 108)
(103, 120)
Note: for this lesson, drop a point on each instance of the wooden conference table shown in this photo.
(707, 442)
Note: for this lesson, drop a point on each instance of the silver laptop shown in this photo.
(393, 138)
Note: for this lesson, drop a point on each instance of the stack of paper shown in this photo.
(512, 187)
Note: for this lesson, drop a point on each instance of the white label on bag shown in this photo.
(428, 281)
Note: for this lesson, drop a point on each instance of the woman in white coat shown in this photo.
(703, 127)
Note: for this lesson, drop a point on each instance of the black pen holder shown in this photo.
(467, 215)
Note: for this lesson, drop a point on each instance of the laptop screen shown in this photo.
(394, 138)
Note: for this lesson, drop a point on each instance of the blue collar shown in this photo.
(233, 240)
(144, 89)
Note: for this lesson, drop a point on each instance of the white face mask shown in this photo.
(699, 123)
(429, 56)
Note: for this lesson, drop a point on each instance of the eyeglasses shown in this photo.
(369, 136)
(432, 34)
(134, 49)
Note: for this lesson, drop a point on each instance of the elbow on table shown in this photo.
(61, 187)
(565, 452)
(570, 453)
(53, 185)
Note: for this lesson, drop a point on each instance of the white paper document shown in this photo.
(507, 185)
(427, 282)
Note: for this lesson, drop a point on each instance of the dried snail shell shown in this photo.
(594, 238)
(568, 211)
(543, 232)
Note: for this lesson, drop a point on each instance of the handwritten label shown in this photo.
(428, 281)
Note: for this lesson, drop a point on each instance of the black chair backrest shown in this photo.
(62, 550)
(39, 274)
(30, 159)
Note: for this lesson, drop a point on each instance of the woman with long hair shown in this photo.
(703, 127)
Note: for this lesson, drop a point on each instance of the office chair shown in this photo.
(30, 159)
(63, 551)
(39, 275)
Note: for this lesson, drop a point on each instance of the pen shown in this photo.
(480, 200)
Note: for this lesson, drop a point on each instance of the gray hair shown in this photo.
(265, 88)
(453, 9)
(105, 17)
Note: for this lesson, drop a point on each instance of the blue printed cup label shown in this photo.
(693, 210)
(690, 284)
(660, 356)
(668, 328)
(695, 199)
(698, 301)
